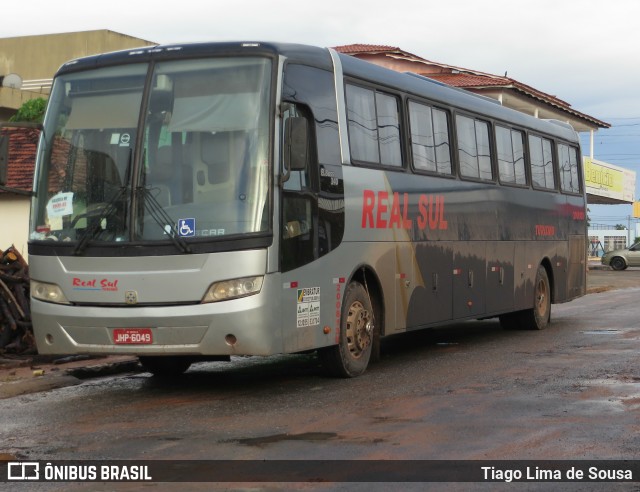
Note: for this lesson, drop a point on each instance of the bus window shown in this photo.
(568, 164)
(374, 126)
(429, 138)
(541, 162)
(299, 205)
(388, 130)
(474, 150)
(510, 149)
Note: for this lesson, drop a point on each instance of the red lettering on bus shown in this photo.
(394, 221)
(83, 283)
(431, 209)
(368, 204)
(383, 197)
(545, 230)
(378, 213)
(109, 284)
(399, 218)
(406, 222)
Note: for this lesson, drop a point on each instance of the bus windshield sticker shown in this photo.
(60, 205)
(187, 227)
(125, 140)
(308, 309)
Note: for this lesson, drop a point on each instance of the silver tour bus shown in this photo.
(194, 202)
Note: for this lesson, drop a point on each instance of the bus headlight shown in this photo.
(48, 292)
(232, 289)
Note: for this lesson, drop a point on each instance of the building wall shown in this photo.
(36, 59)
(603, 240)
(14, 222)
(400, 65)
(39, 57)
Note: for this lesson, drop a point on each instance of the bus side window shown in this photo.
(568, 164)
(510, 147)
(474, 150)
(374, 126)
(541, 162)
(429, 139)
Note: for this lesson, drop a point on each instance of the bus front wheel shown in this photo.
(165, 366)
(350, 357)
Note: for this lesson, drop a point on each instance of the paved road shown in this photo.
(470, 391)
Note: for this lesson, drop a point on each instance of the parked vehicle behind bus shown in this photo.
(621, 259)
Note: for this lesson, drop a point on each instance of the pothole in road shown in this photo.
(620, 392)
(305, 436)
(602, 332)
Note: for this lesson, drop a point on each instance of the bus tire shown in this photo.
(539, 316)
(350, 357)
(165, 366)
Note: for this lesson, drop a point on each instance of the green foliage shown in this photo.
(31, 111)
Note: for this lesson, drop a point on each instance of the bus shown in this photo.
(200, 201)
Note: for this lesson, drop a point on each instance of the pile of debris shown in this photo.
(16, 332)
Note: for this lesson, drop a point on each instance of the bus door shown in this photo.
(299, 233)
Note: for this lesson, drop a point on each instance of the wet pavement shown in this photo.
(21, 375)
(470, 391)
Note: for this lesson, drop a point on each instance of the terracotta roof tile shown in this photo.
(475, 80)
(350, 49)
(464, 78)
(22, 152)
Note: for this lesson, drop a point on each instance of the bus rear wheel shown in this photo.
(350, 357)
(539, 316)
(166, 366)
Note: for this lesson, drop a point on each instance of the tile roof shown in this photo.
(465, 78)
(478, 81)
(349, 49)
(23, 143)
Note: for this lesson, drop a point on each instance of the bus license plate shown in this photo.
(132, 336)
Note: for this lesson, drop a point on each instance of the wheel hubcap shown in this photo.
(541, 298)
(359, 329)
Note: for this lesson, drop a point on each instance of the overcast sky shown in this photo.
(583, 51)
(586, 52)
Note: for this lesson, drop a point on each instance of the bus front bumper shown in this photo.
(246, 326)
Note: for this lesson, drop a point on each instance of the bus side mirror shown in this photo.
(296, 144)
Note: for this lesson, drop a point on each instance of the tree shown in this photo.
(31, 111)
(621, 227)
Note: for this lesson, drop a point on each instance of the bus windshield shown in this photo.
(178, 154)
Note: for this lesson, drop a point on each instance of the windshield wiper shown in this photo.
(162, 218)
(105, 214)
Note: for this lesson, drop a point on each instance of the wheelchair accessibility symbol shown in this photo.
(187, 227)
